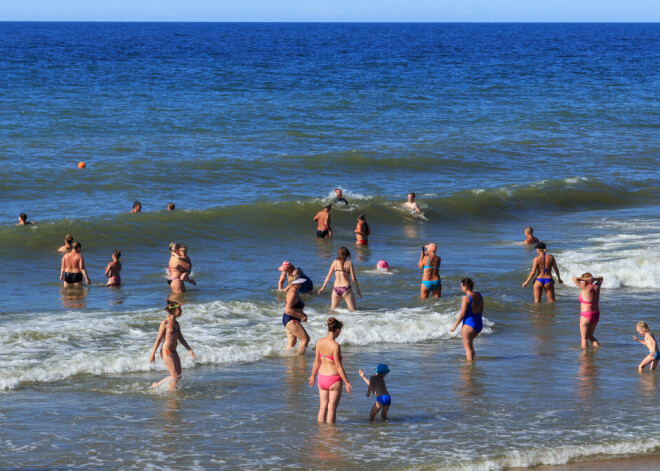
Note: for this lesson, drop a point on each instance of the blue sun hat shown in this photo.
(382, 369)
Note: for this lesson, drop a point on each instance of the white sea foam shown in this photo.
(629, 256)
(54, 346)
(554, 455)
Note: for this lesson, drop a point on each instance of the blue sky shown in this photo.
(331, 10)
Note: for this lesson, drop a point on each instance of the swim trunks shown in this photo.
(73, 277)
(321, 234)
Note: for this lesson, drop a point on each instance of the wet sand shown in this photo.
(636, 463)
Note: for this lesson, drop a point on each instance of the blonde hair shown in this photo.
(643, 326)
(586, 275)
(174, 246)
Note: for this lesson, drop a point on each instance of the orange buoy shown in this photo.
(81, 164)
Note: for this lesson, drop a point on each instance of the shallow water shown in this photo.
(248, 128)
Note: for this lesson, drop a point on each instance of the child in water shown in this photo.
(113, 269)
(377, 385)
(650, 342)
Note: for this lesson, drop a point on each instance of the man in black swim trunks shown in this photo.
(73, 267)
(322, 218)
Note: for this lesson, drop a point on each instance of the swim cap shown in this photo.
(540, 245)
(383, 264)
(285, 266)
(382, 369)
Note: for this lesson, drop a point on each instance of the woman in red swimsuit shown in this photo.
(169, 333)
(589, 313)
(327, 363)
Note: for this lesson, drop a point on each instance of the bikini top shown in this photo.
(427, 264)
(585, 302)
(342, 269)
(298, 305)
(544, 270)
(330, 357)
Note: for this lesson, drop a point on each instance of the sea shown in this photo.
(248, 128)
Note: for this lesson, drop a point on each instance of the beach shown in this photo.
(249, 128)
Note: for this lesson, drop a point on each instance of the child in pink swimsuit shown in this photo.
(113, 269)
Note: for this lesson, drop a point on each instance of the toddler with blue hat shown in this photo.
(377, 386)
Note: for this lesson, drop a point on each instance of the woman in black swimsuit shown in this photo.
(294, 316)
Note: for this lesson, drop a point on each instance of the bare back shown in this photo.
(322, 219)
(73, 262)
(329, 353)
(342, 274)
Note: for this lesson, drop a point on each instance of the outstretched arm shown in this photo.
(159, 339)
(315, 368)
(327, 278)
(556, 268)
(357, 286)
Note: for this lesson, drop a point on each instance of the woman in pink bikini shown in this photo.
(344, 273)
(327, 363)
(169, 333)
(589, 313)
(543, 265)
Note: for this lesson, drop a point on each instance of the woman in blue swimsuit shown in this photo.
(429, 262)
(472, 307)
(543, 265)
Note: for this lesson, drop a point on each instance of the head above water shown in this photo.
(338, 192)
(76, 246)
(540, 246)
(342, 254)
(382, 264)
(468, 283)
(116, 253)
(170, 207)
(328, 206)
(587, 276)
(431, 248)
(137, 205)
(68, 239)
(286, 266)
(382, 369)
(362, 217)
(22, 217)
(643, 326)
(334, 325)
(172, 306)
(174, 246)
(411, 196)
(529, 230)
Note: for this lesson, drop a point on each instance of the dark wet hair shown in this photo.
(76, 245)
(116, 253)
(68, 239)
(468, 282)
(411, 194)
(362, 217)
(136, 204)
(23, 216)
(170, 206)
(327, 206)
(342, 254)
(334, 325)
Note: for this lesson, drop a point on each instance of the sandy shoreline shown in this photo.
(636, 463)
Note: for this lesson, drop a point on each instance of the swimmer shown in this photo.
(328, 365)
(529, 236)
(113, 269)
(322, 218)
(170, 207)
(290, 273)
(382, 265)
(412, 204)
(68, 240)
(543, 264)
(429, 262)
(650, 343)
(340, 198)
(362, 231)
(73, 267)
(344, 273)
(137, 207)
(589, 312)
(377, 385)
(169, 333)
(472, 308)
(22, 220)
(294, 316)
(179, 268)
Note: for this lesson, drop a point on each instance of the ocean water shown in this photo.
(248, 128)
